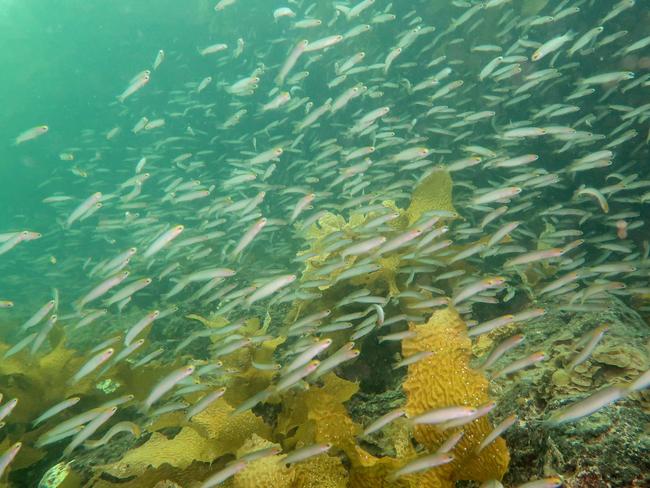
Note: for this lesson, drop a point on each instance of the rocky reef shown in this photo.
(171, 450)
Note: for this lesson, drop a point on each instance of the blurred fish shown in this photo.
(31, 134)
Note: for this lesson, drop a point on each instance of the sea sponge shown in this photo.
(446, 379)
(434, 192)
(317, 236)
(192, 476)
(621, 354)
(166, 421)
(321, 472)
(181, 451)
(227, 431)
(167, 484)
(214, 322)
(386, 275)
(373, 472)
(318, 415)
(483, 344)
(41, 379)
(330, 223)
(249, 380)
(210, 434)
(266, 471)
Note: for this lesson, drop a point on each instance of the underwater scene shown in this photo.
(324, 244)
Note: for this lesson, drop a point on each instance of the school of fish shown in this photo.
(541, 119)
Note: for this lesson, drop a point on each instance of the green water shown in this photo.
(63, 64)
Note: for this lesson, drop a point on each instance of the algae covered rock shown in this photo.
(607, 448)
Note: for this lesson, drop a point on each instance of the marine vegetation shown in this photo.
(349, 244)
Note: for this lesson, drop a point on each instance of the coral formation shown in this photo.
(319, 415)
(433, 192)
(446, 379)
(321, 472)
(266, 471)
(210, 434)
(181, 451)
(177, 452)
(38, 380)
(228, 431)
